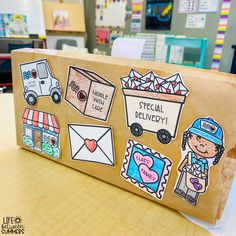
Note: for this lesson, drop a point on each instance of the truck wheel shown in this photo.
(56, 97)
(136, 129)
(31, 99)
(163, 136)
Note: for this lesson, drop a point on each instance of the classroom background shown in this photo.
(49, 198)
(196, 33)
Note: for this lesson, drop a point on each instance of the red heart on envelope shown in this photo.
(91, 144)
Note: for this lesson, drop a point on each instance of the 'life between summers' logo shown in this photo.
(12, 225)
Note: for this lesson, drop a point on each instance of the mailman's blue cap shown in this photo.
(208, 129)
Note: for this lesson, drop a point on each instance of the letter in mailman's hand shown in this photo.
(91, 143)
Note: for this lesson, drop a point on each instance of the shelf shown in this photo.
(5, 56)
(5, 72)
(6, 84)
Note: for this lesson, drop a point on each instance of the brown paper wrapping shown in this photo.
(212, 94)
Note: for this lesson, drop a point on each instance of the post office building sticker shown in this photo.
(41, 132)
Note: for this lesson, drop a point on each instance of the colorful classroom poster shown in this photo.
(159, 14)
(115, 33)
(13, 25)
(2, 26)
(136, 17)
(102, 35)
(208, 5)
(60, 19)
(110, 13)
(188, 6)
(220, 36)
(195, 21)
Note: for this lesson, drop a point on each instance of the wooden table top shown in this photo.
(52, 199)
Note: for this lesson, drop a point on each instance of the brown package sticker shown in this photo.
(89, 93)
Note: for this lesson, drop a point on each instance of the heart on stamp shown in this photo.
(90, 144)
(147, 175)
(196, 184)
(140, 159)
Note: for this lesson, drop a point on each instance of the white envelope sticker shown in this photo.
(91, 143)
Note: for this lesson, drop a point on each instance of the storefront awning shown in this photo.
(40, 119)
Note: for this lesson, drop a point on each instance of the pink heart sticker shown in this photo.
(140, 159)
(147, 175)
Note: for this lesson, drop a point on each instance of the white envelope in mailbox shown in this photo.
(91, 143)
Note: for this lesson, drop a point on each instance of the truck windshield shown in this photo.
(42, 70)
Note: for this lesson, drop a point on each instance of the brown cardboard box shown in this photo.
(211, 94)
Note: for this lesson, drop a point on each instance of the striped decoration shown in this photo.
(40, 119)
(220, 37)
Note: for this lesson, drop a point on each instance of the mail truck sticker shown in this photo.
(91, 143)
(38, 81)
(153, 104)
(146, 169)
(203, 146)
(41, 132)
(89, 93)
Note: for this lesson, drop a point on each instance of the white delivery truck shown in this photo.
(38, 81)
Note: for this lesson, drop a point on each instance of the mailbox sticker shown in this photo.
(153, 104)
(89, 93)
(91, 143)
(146, 169)
(202, 147)
(38, 81)
(41, 132)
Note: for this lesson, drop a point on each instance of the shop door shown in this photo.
(37, 139)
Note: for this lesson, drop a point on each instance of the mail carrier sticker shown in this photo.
(153, 104)
(39, 81)
(146, 169)
(91, 143)
(203, 147)
(89, 93)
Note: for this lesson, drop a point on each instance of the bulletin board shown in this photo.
(33, 11)
(73, 14)
(110, 20)
(110, 14)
